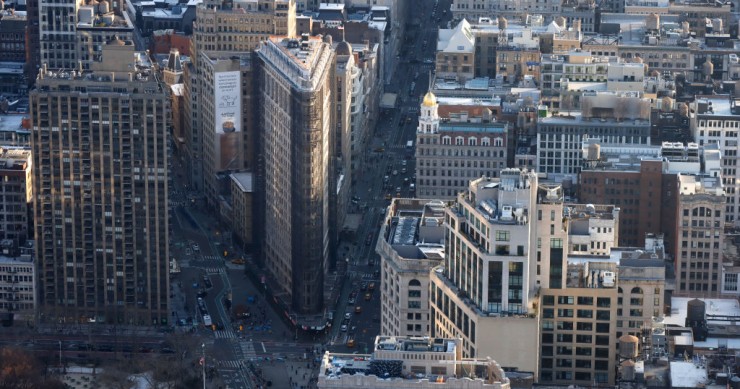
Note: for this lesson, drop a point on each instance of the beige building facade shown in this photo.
(487, 284)
(700, 239)
(411, 243)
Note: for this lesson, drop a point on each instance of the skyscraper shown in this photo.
(297, 123)
(100, 169)
(224, 38)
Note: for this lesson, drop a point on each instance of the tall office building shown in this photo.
(700, 237)
(225, 34)
(72, 32)
(490, 278)
(297, 120)
(100, 171)
(716, 121)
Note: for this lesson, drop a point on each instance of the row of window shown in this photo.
(601, 302)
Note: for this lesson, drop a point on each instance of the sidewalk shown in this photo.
(286, 374)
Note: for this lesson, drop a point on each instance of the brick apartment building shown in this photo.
(642, 192)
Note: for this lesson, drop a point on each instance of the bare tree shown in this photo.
(20, 370)
(112, 376)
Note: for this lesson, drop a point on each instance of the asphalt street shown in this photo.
(390, 168)
(199, 242)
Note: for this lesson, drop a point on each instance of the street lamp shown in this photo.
(60, 355)
(203, 363)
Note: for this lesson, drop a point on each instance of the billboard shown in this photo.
(228, 102)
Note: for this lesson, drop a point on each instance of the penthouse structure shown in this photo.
(411, 362)
(450, 153)
(297, 141)
(410, 245)
(100, 174)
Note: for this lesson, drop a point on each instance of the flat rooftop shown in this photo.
(577, 119)
(22, 260)
(416, 229)
(12, 123)
(480, 128)
(688, 375)
(720, 105)
(728, 307)
(244, 180)
(301, 51)
(415, 344)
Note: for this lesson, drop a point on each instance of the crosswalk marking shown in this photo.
(215, 270)
(225, 334)
(232, 363)
(211, 257)
(247, 349)
(396, 147)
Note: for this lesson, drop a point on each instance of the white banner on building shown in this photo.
(228, 102)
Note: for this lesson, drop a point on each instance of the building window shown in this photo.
(503, 236)
(730, 282)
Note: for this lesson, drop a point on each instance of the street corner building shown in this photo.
(100, 171)
(297, 119)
